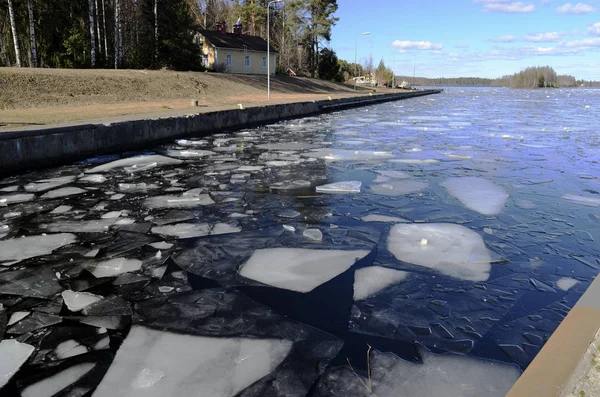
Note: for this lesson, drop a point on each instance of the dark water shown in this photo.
(541, 147)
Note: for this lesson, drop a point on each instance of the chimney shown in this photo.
(221, 28)
(237, 28)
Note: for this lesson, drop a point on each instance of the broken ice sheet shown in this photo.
(33, 282)
(16, 198)
(62, 192)
(340, 187)
(190, 230)
(383, 218)
(298, 269)
(55, 383)
(183, 201)
(69, 348)
(451, 249)
(135, 164)
(14, 354)
(114, 267)
(566, 283)
(34, 322)
(583, 200)
(48, 184)
(477, 194)
(76, 301)
(398, 188)
(89, 226)
(347, 155)
(437, 376)
(370, 280)
(228, 314)
(158, 363)
(188, 154)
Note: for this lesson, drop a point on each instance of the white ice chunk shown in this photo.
(298, 269)
(153, 363)
(69, 348)
(134, 164)
(16, 198)
(48, 184)
(383, 218)
(94, 178)
(18, 249)
(370, 280)
(189, 154)
(566, 283)
(55, 383)
(399, 188)
(92, 254)
(393, 174)
(190, 230)
(589, 201)
(77, 301)
(116, 197)
(61, 209)
(114, 267)
(313, 234)
(16, 317)
(63, 192)
(183, 201)
(13, 354)
(441, 375)
(136, 187)
(250, 168)
(347, 155)
(112, 215)
(477, 194)
(93, 226)
(186, 142)
(340, 187)
(451, 249)
(161, 245)
(103, 343)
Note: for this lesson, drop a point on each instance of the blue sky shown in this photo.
(480, 38)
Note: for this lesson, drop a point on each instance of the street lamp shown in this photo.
(355, 48)
(269, 47)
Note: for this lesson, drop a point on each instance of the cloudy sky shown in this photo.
(483, 38)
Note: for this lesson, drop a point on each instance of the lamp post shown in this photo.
(269, 48)
(355, 50)
(415, 67)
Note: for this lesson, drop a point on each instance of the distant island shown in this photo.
(532, 77)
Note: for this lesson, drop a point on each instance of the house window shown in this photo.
(264, 62)
(247, 61)
(229, 61)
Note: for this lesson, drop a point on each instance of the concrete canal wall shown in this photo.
(49, 146)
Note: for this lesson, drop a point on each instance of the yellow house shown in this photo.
(234, 52)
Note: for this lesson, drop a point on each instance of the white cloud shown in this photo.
(579, 8)
(584, 44)
(517, 7)
(543, 37)
(507, 38)
(594, 30)
(403, 45)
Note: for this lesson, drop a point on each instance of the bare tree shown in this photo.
(34, 62)
(118, 34)
(104, 29)
(156, 31)
(98, 35)
(13, 27)
(92, 33)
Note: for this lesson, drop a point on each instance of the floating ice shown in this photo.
(93, 226)
(114, 267)
(94, 178)
(399, 188)
(340, 187)
(16, 317)
(16, 198)
(383, 218)
(61, 209)
(414, 161)
(55, 383)
(161, 245)
(135, 164)
(438, 376)
(14, 354)
(183, 201)
(154, 363)
(298, 269)
(478, 194)
(286, 146)
(69, 348)
(313, 234)
(187, 142)
(250, 168)
(76, 301)
(18, 249)
(189, 230)
(347, 155)
(566, 283)
(48, 184)
(451, 249)
(370, 280)
(4, 229)
(136, 187)
(188, 154)
(35, 283)
(291, 185)
(113, 214)
(63, 192)
(393, 174)
(589, 201)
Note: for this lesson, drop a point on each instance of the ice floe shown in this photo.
(298, 269)
(114, 267)
(69, 348)
(370, 280)
(93, 178)
(189, 230)
(340, 187)
(135, 164)
(156, 363)
(63, 192)
(399, 188)
(187, 154)
(48, 184)
(55, 383)
(313, 234)
(437, 376)
(383, 218)
(584, 200)
(91, 226)
(566, 283)
(21, 248)
(478, 194)
(76, 301)
(16, 198)
(347, 155)
(14, 354)
(16, 317)
(451, 249)
(183, 201)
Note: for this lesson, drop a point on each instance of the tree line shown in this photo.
(146, 34)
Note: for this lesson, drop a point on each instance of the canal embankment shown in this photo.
(43, 146)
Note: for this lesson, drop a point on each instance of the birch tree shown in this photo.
(34, 61)
(155, 30)
(104, 29)
(118, 33)
(92, 33)
(13, 27)
(98, 35)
